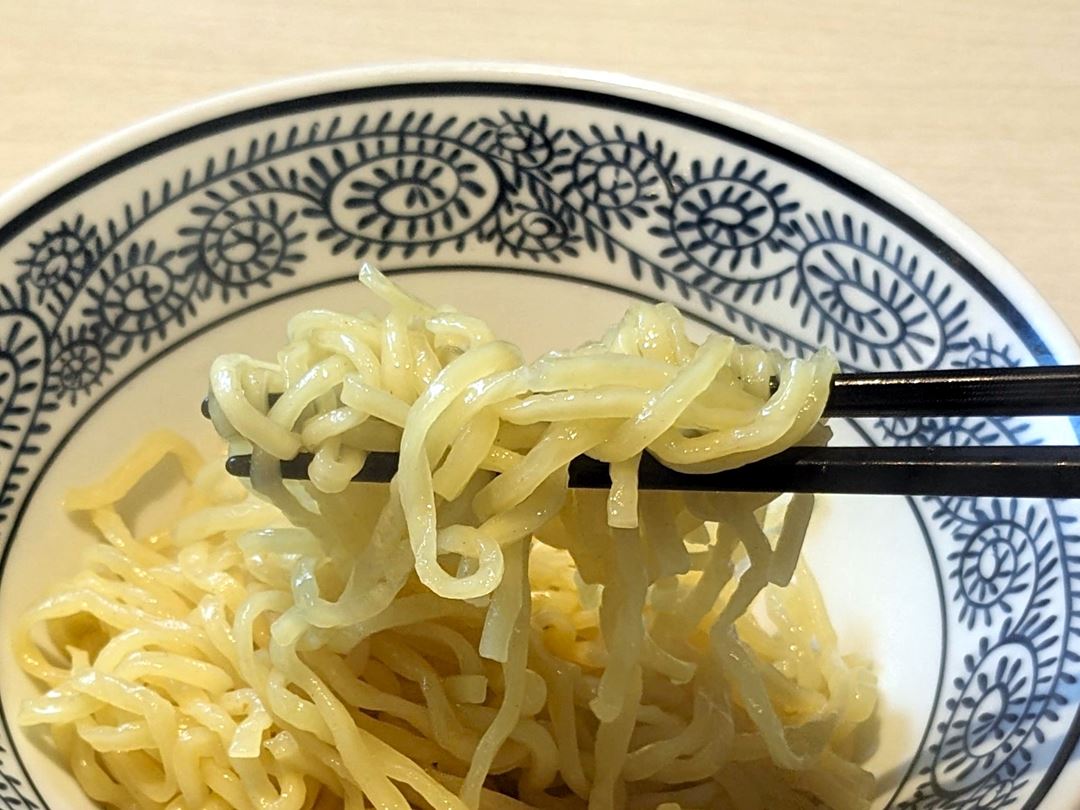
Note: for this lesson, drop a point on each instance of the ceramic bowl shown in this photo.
(545, 200)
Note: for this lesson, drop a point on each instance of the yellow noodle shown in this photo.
(475, 635)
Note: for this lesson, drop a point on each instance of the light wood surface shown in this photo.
(977, 103)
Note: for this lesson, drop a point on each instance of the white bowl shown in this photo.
(544, 199)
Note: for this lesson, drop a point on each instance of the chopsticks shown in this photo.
(1018, 472)
(1031, 391)
(945, 471)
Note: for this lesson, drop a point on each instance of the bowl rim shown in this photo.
(20, 201)
(19, 204)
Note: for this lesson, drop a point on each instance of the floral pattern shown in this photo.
(724, 233)
(243, 246)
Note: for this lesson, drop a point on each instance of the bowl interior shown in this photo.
(546, 210)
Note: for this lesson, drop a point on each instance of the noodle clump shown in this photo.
(475, 634)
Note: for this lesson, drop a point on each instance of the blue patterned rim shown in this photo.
(724, 234)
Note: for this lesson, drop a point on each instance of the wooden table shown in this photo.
(977, 103)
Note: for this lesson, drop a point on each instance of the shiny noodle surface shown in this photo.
(473, 635)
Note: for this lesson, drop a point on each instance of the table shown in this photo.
(977, 103)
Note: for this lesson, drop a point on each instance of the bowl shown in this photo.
(545, 199)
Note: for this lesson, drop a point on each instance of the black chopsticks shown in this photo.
(1017, 472)
(999, 471)
(1029, 391)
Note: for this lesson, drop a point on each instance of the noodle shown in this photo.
(475, 635)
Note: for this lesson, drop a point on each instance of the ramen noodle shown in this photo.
(474, 634)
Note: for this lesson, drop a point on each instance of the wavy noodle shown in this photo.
(475, 635)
